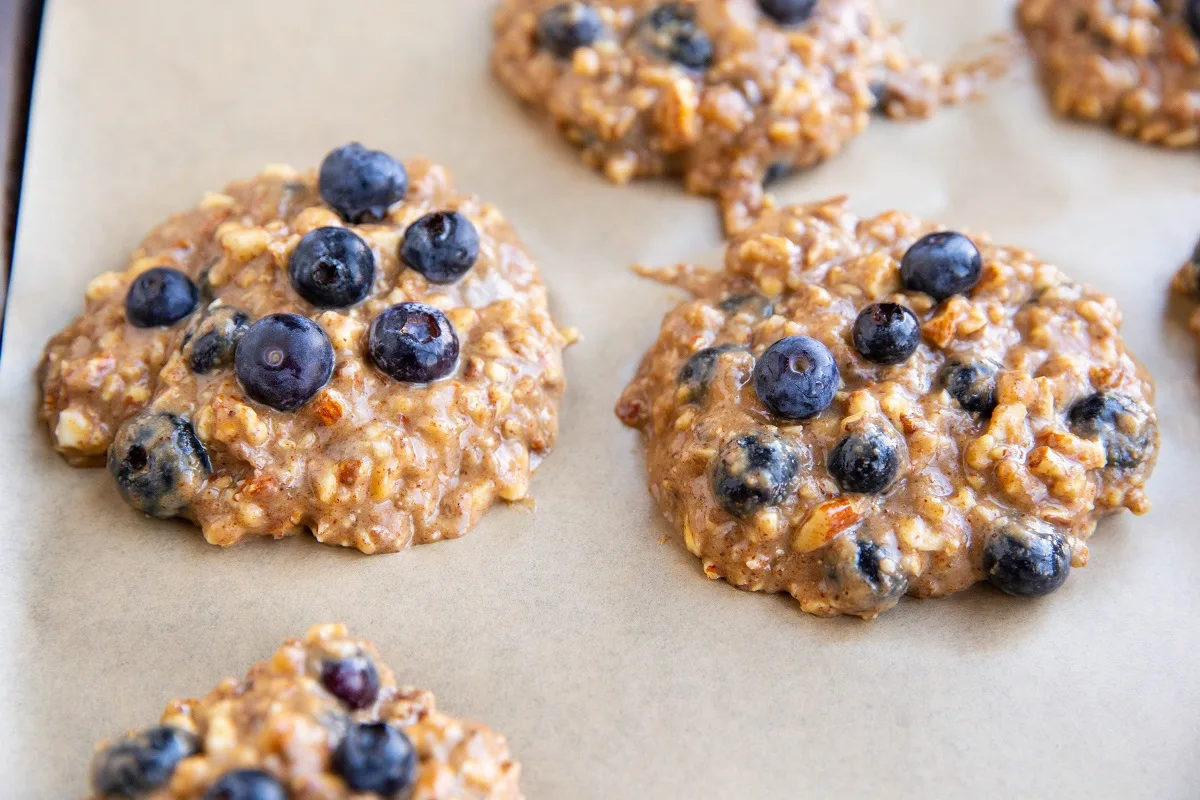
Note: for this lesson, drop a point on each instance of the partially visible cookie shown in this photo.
(1187, 286)
(1131, 64)
(859, 409)
(728, 94)
(366, 353)
(324, 719)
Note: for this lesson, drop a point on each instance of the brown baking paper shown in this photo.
(614, 667)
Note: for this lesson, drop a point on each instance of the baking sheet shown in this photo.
(614, 667)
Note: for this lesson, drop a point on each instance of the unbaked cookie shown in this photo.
(322, 718)
(858, 409)
(365, 353)
(728, 94)
(1131, 64)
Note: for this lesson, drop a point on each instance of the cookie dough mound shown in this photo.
(1132, 64)
(265, 365)
(1187, 286)
(728, 94)
(322, 718)
(858, 409)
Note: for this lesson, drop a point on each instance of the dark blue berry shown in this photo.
(886, 333)
(361, 184)
(564, 28)
(246, 784)
(972, 384)
(1123, 426)
(213, 341)
(864, 462)
(796, 378)
(283, 361)
(332, 268)
(158, 463)
(160, 297)
(777, 171)
(354, 681)
(413, 343)
(754, 304)
(941, 265)
(881, 95)
(867, 576)
(1025, 562)
(698, 371)
(376, 757)
(140, 763)
(753, 471)
(670, 30)
(788, 12)
(442, 246)
(1191, 11)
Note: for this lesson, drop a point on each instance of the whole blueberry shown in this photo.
(361, 184)
(564, 28)
(1191, 11)
(788, 12)
(413, 343)
(1026, 559)
(246, 784)
(376, 757)
(211, 344)
(864, 462)
(158, 463)
(796, 378)
(886, 333)
(332, 268)
(698, 371)
(160, 297)
(138, 764)
(283, 361)
(753, 471)
(941, 265)
(442, 246)
(1124, 426)
(354, 681)
(670, 30)
(972, 383)
(753, 304)
(867, 575)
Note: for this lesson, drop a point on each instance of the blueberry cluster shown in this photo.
(371, 757)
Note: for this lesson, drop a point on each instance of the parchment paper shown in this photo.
(614, 667)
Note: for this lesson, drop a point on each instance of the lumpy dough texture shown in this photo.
(1009, 452)
(1131, 64)
(368, 462)
(1187, 287)
(287, 719)
(630, 85)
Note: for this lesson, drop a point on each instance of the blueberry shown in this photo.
(972, 384)
(777, 171)
(1191, 12)
(160, 297)
(796, 378)
(1026, 559)
(864, 462)
(283, 361)
(1122, 425)
(754, 304)
(354, 681)
(442, 246)
(413, 343)
(246, 784)
(941, 265)
(698, 371)
(881, 94)
(332, 268)
(788, 12)
(670, 30)
(752, 471)
(158, 463)
(361, 184)
(867, 576)
(564, 28)
(886, 333)
(140, 763)
(376, 757)
(211, 344)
